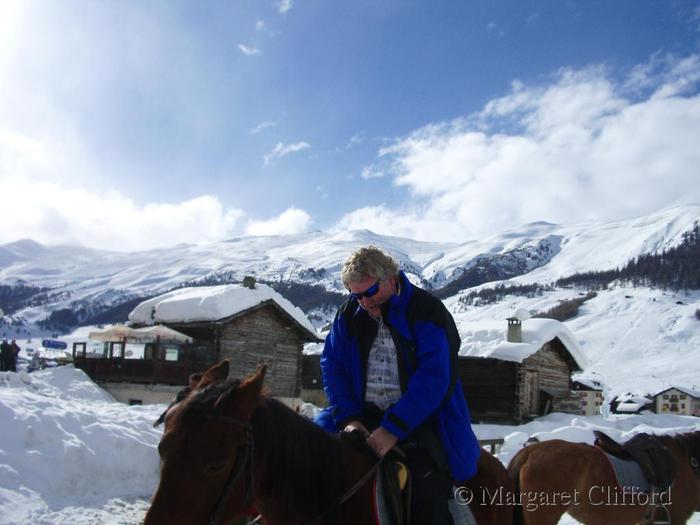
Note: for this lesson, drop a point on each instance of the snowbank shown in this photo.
(65, 443)
(69, 455)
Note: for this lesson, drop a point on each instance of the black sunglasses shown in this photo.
(369, 292)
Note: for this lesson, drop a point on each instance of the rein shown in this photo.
(244, 462)
(349, 493)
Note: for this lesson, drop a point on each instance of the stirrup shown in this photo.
(664, 519)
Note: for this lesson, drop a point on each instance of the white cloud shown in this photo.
(372, 172)
(285, 6)
(584, 146)
(282, 150)
(263, 125)
(406, 222)
(249, 51)
(61, 215)
(259, 25)
(293, 220)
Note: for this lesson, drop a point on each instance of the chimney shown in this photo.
(515, 330)
(249, 282)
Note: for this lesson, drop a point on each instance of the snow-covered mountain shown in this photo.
(639, 339)
(82, 278)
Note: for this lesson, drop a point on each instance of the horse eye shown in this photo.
(214, 467)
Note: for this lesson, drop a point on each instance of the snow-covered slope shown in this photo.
(655, 338)
(66, 444)
(71, 456)
(542, 251)
(636, 339)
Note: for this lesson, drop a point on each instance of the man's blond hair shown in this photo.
(366, 262)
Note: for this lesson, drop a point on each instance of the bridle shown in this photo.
(244, 462)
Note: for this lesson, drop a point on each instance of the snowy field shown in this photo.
(70, 454)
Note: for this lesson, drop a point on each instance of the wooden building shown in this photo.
(512, 381)
(248, 324)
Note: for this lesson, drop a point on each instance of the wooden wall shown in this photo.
(490, 388)
(552, 366)
(264, 335)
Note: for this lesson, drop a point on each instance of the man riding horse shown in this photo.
(390, 372)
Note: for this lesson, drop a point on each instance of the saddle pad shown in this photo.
(461, 514)
(628, 474)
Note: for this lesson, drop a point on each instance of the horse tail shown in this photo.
(514, 472)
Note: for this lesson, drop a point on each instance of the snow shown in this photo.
(488, 339)
(212, 303)
(106, 278)
(69, 454)
(637, 340)
(689, 391)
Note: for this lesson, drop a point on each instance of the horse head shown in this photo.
(206, 451)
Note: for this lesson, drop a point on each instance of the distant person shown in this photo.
(4, 355)
(14, 354)
(192, 381)
(34, 363)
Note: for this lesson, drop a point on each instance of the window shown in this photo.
(665, 396)
(682, 396)
(135, 402)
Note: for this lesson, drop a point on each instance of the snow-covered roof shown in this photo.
(213, 303)
(629, 406)
(592, 384)
(488, 339)
(689, 391)
(633, 398)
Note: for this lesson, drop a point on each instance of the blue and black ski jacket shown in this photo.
(427, 343)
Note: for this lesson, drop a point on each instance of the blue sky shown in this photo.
(128, 125)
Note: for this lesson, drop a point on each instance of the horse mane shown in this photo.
(201, 401)
(305, 461)
(689, 441)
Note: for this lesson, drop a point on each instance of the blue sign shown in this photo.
(52, 343)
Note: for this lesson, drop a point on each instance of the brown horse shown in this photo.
(554, 477)
(228, 448)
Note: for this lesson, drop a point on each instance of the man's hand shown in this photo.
(381, 441)
(356, 425)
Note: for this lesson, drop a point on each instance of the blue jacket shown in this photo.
(427, 343)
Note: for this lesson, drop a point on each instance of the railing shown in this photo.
(492, 444)
(149, 370)
(145, 371)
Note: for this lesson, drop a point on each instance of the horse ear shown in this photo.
(244, 399)
(218, 372)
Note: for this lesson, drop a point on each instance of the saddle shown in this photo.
(396, 486)
(655, 460)
(394, 477)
